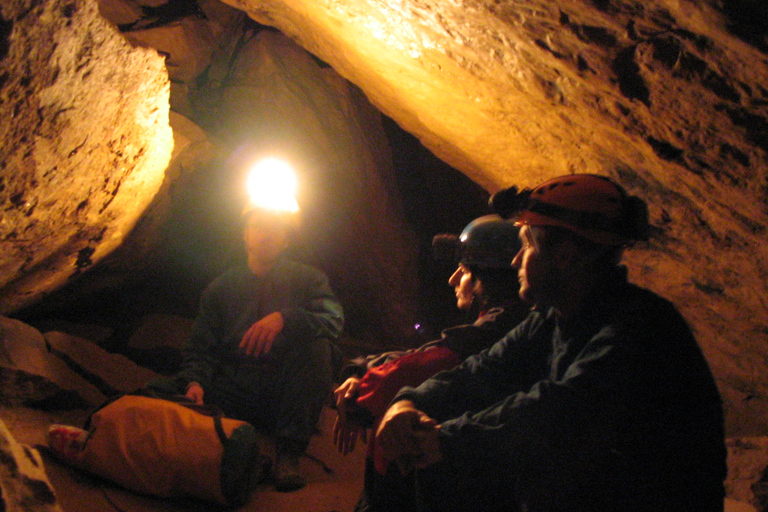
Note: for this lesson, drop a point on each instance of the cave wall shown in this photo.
(238, 91)
(84, 144)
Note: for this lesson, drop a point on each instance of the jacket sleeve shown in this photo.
(381, 383)
(201, 351)
(488, 403)
(316, 312)
(358, 366)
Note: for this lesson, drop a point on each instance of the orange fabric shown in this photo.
(156, 447)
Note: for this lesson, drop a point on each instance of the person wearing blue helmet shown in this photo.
(486, 286)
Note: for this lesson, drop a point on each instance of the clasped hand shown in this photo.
(408, 437)
(258, 340)
(346, 432)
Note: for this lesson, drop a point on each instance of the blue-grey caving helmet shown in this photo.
(488, 241)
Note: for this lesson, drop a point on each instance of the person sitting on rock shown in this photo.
(262, 349)
(263, 345)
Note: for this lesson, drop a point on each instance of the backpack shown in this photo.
(163, 448)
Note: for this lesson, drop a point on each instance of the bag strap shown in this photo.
(205, 409)
(213, 411)
(220, 429)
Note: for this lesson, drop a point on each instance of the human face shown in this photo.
(265, 239)
(465, 286)
(536, 271)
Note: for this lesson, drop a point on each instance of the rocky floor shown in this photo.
(50, 366)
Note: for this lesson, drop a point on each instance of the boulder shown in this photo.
(112, 374)
(32, 375)
(86, 140)
(120, 12)
(187, 44)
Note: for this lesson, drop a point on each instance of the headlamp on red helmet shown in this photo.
(590, 205)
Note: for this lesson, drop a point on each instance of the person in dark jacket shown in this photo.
(262, 346)
(601, 400)
(485, 284)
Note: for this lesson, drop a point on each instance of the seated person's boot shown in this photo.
(286, 470)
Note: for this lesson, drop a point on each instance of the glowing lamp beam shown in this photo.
(271, 185)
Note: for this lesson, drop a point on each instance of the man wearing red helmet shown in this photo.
(601, 400)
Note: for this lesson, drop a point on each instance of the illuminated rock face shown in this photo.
(85, 142)
(656, 94)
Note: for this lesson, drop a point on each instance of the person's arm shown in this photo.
(345, 429)
(316, 312)
(381, 383)
(201, 351)
(559, 420)
(408, 437)
(304, 308)
(508, 366)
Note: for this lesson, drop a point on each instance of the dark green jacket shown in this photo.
(615, 411)
(233, 302)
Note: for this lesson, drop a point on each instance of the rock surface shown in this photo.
(747, 466)
(334, 481)
(33, 375)
(84, 125)
(23, 481)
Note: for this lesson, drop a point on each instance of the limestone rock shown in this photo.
(112, 374)
(187, 44)
(748, 471)
(33, 374)
(139, 252)
(192, 153)
(224, 20)
(84, 125)
(24, 484)
(120, 12)
(732, 505)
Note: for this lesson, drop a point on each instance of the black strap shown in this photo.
(220, 429)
